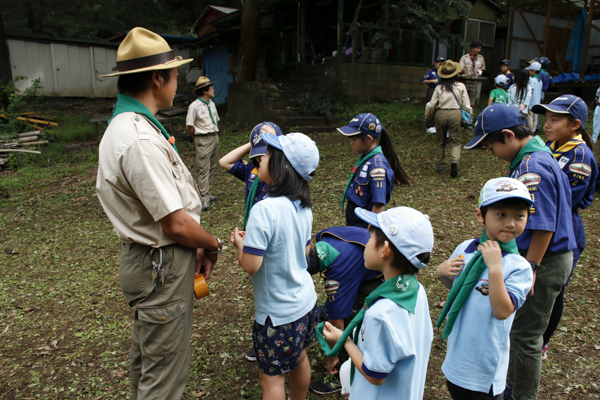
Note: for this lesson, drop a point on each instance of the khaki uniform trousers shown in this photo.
(159, 357)
(532, 120)
(471, 85)
(207, 160)
(448, 120)
(530, 323)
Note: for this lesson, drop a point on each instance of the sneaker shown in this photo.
(251, 355)
(453, 169)
(431, 130)
(329, 384)
(441, 169)
(206, 206)
(544, 351)
(214, 198)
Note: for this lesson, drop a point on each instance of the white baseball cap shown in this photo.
(498, 189)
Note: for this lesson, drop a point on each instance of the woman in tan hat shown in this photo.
(446, 102)
(150, 198)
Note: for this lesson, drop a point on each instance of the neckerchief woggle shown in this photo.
(535, 144)
(463, 286)
(402, 290)
(209, 110)
(250, 200)
(359, 163)
(129, 104)
(565, 148)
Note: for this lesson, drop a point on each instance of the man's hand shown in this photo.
(205, 263)
(332, 365)
(492, 255)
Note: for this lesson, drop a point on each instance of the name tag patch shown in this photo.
(563, 161)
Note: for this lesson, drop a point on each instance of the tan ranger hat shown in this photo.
(203, 81)
(143, 50)
(449, 69)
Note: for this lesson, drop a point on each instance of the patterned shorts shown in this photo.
(279, 347)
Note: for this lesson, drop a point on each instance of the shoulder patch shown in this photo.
(530, 179)
(377, 173)
(581, 169)
(245, 162)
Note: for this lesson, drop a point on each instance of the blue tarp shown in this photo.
(577, 39)
(574, 77)
(216, 61)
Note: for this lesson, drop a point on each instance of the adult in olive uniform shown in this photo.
(153, 203)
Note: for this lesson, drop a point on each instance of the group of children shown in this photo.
(503, 285)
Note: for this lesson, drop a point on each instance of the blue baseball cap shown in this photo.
(366, 123)
(440, 59)
(299, 149)
(544, 61)
(495, 118)
(565, 104)
(505, 62)
(407, 229)
(500, 80)
(258, 146)
(498, 189)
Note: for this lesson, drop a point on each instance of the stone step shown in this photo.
(303, 121)
(295, 111)
(282, 103)
(290, 95)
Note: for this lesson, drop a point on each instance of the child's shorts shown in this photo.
(278, 348)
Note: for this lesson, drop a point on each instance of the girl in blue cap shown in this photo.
(372, 179)
(572, 148)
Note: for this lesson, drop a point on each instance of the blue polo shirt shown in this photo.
(551, 211)
(344, 276)
(545, 78)
(479, 345)
(431, 74)
(247, 172)
(373, 183)
(510, 79)
(396, 346)
(279, 230)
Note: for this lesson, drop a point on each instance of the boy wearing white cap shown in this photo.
(536, 94)
(498, 95)
(489, 281)
(392, 342)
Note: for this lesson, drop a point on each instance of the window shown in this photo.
(484, 31)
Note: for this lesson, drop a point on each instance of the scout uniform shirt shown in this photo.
(431, 74)
(345, 274)
(141, 179)
(373, 183)
(470, 70)
(203, 117)
(510, 79)
(247, 172)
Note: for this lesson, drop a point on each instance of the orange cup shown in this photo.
(200, 287)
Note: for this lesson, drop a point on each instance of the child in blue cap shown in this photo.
(372, 179)
(488, 282)
(571, 147)
(505, 70)
(547, 241)
(273, 250)
(391, 345)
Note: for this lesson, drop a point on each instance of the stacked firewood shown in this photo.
(20, 144)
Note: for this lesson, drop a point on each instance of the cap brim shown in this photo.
(203, 85)
(487, 203)
(542, 108)
(159, 67)
(367, 216)
(273, 140)
(348, 131)
(260, 150)
(475, 142)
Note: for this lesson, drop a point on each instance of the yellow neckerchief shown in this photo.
(565, 148)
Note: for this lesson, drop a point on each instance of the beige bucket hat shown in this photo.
(203, 81)
(143, 50)
(449, 69)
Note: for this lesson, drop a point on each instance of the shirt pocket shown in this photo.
(176, 169)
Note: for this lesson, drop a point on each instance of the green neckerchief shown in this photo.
(544, 71)
(535, 144)
(565, 148)
(359, 163)
(209, 110)
(250, 199)
(463, 286)
(129, 104)
(326, 254)
(537, 76)
(402, 290)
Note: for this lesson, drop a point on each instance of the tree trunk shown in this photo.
(5, 67)
(249, 41)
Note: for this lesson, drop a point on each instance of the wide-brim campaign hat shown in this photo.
(449, 69)
(203, 81)
(143, 50)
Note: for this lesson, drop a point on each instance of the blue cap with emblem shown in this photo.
(258, 146)
(565, 104)
(409, 230)
(366, 123)
(494, 118)
(299, 149)
(498, 189)
(440, 59)
(505, 62)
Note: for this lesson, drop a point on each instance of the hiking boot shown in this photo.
(206, 206)
(329, 384)
(214, 198)
(251, 355)
(453, 169)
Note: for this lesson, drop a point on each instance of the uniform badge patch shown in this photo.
(484, 288)
(506, 187)
(331, 287)
(372, 126)
(563, 161)
(393, 229)
(530, 179)
(245, 162)
(362, 334)
(377, 173)
(581, 169)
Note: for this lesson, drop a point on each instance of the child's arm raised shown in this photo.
(226, 162)
(502, 304)
(450, 269)
(250, 263)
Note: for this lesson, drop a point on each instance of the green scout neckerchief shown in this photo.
(326, 254)
(462, 288)
(565, 148)
(250, 200)
(209, 110)
(535, 144)
(129, 104)
(402, 290)
(359, 163)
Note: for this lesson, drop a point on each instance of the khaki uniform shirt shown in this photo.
(198, 116)
(444, 100)
(468, 67)
(141, 179)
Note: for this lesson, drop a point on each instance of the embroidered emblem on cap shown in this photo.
(507, 187)
(372, 126)
(393, 229)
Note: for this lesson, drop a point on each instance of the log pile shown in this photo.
(20, 144)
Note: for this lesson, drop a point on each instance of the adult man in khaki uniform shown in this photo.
(151, 199)
(473, 65)
(201, 124)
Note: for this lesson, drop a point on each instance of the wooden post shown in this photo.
(510, 32)
(340, 33)
(547, 31)
(586, 43)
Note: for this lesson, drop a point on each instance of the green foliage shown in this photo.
(32, 91)
(325, 99)
(15, 101)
